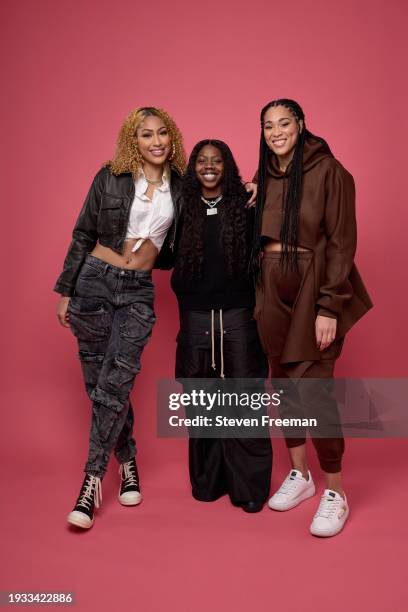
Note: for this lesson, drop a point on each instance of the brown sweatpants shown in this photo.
(276, 295)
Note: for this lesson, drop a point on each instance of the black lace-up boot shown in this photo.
(129, 492)
(90, 497)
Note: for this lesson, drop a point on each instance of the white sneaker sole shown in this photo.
(325, 533)
(132, 501)
(282, 508)
(79, 519)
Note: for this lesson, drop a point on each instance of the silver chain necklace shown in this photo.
(212, 204)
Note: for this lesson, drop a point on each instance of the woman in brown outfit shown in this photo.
(309, 291)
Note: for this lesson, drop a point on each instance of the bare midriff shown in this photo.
(142, 259)
(274, 246)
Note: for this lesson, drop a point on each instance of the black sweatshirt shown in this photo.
(214, 289)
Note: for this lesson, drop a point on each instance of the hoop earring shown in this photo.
(173, 152)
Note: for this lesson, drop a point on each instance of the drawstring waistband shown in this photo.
(221, 343)
(212, 341)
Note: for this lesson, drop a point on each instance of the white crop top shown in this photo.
(150, 218)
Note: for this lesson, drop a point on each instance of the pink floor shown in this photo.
(173, 553)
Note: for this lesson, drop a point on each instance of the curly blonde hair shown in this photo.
(127, 157)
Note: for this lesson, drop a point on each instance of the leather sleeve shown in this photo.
(84, 237)
(341, 233)
(167, 256)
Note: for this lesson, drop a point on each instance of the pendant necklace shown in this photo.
(212, 210)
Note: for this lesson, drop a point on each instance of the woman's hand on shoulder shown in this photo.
(62, 311)
(251, 188)
(326, 328)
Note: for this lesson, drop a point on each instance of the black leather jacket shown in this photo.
(104, 217)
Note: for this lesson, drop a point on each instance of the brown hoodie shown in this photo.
(327, 226)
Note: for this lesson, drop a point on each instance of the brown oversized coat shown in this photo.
(332, 285)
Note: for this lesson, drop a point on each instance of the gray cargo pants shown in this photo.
(111, 315)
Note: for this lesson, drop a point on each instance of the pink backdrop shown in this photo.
(73, 72)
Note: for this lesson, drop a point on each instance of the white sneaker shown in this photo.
(331, 515)
(293, 490)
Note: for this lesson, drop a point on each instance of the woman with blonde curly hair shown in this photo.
(126, 227)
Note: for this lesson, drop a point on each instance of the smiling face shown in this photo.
(209, 169)
(153, 140)
(281, 131)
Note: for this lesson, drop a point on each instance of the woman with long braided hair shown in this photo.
(309, 292)
(218, 336)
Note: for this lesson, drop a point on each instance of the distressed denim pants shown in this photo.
(112, 316)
